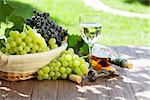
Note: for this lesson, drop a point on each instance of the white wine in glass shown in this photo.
(90, 30)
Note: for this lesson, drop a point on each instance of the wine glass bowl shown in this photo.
(90, 32)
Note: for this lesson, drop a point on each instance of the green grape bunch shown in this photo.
(28, 41)
(60, 68)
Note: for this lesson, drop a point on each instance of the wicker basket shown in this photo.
(22, 67)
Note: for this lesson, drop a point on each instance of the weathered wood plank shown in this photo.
(143, 55)
(141, 51)
(120, 90)
(67, 91)
(45, 90)
(143, 76)
(4, 86)
(138, 76)
(20, 90)
(96, 90)
(147, 68)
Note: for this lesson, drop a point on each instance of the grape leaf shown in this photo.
(3, 27)
(8, 14)
(5, 10)
(77, 43)
(73, 40)
(84, 49)
(17, 20)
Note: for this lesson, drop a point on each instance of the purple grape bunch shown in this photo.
(47, 27)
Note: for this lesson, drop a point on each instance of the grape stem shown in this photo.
(85, 56)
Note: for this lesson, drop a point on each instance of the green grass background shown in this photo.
(133, 6)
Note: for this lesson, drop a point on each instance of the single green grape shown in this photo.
(41, 40)
(84, 69)
(71, 50)
(68, 57)
(87, 64)
(7, 46)
(64, 76)
(82, 61)
(53, 64)
(47, 48)
(58, 64)
(65, 63)
(15, 49)
(18, 53)
(43, 45)
(80, 74)
(49, 78)
(54, 46)
(46, 69)
(31, 33)
(76, 63)
(35, 47)
(40, 72)
(78, 71)
(13, 44)
(51, 68)
(34, 39)
(70, 64)
(22, 44)
(20, 48)
(14, 34)
(54, 78)
(30, 45)
(50, 64)
(23, 52)
(65, 52)
(57, 74)
(39, 49)
(68, 70)
(9, 39)
(40, 78)
(52, 41)
(62, 69)
(28, 39)
(11, 51)
(51, 74)
(56, 68)
(44, 50)
(45, 76)
(76, 57)
(27, 49)
(18, 40)
(61, 59)
(32, 51)
(22, 35)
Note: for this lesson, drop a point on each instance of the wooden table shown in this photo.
(134, 84)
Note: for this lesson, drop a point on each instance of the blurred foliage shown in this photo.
(15, 12)
(145, 2)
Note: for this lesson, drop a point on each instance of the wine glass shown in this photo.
(90, 30)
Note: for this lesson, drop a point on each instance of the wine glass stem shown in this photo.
(90, 55)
